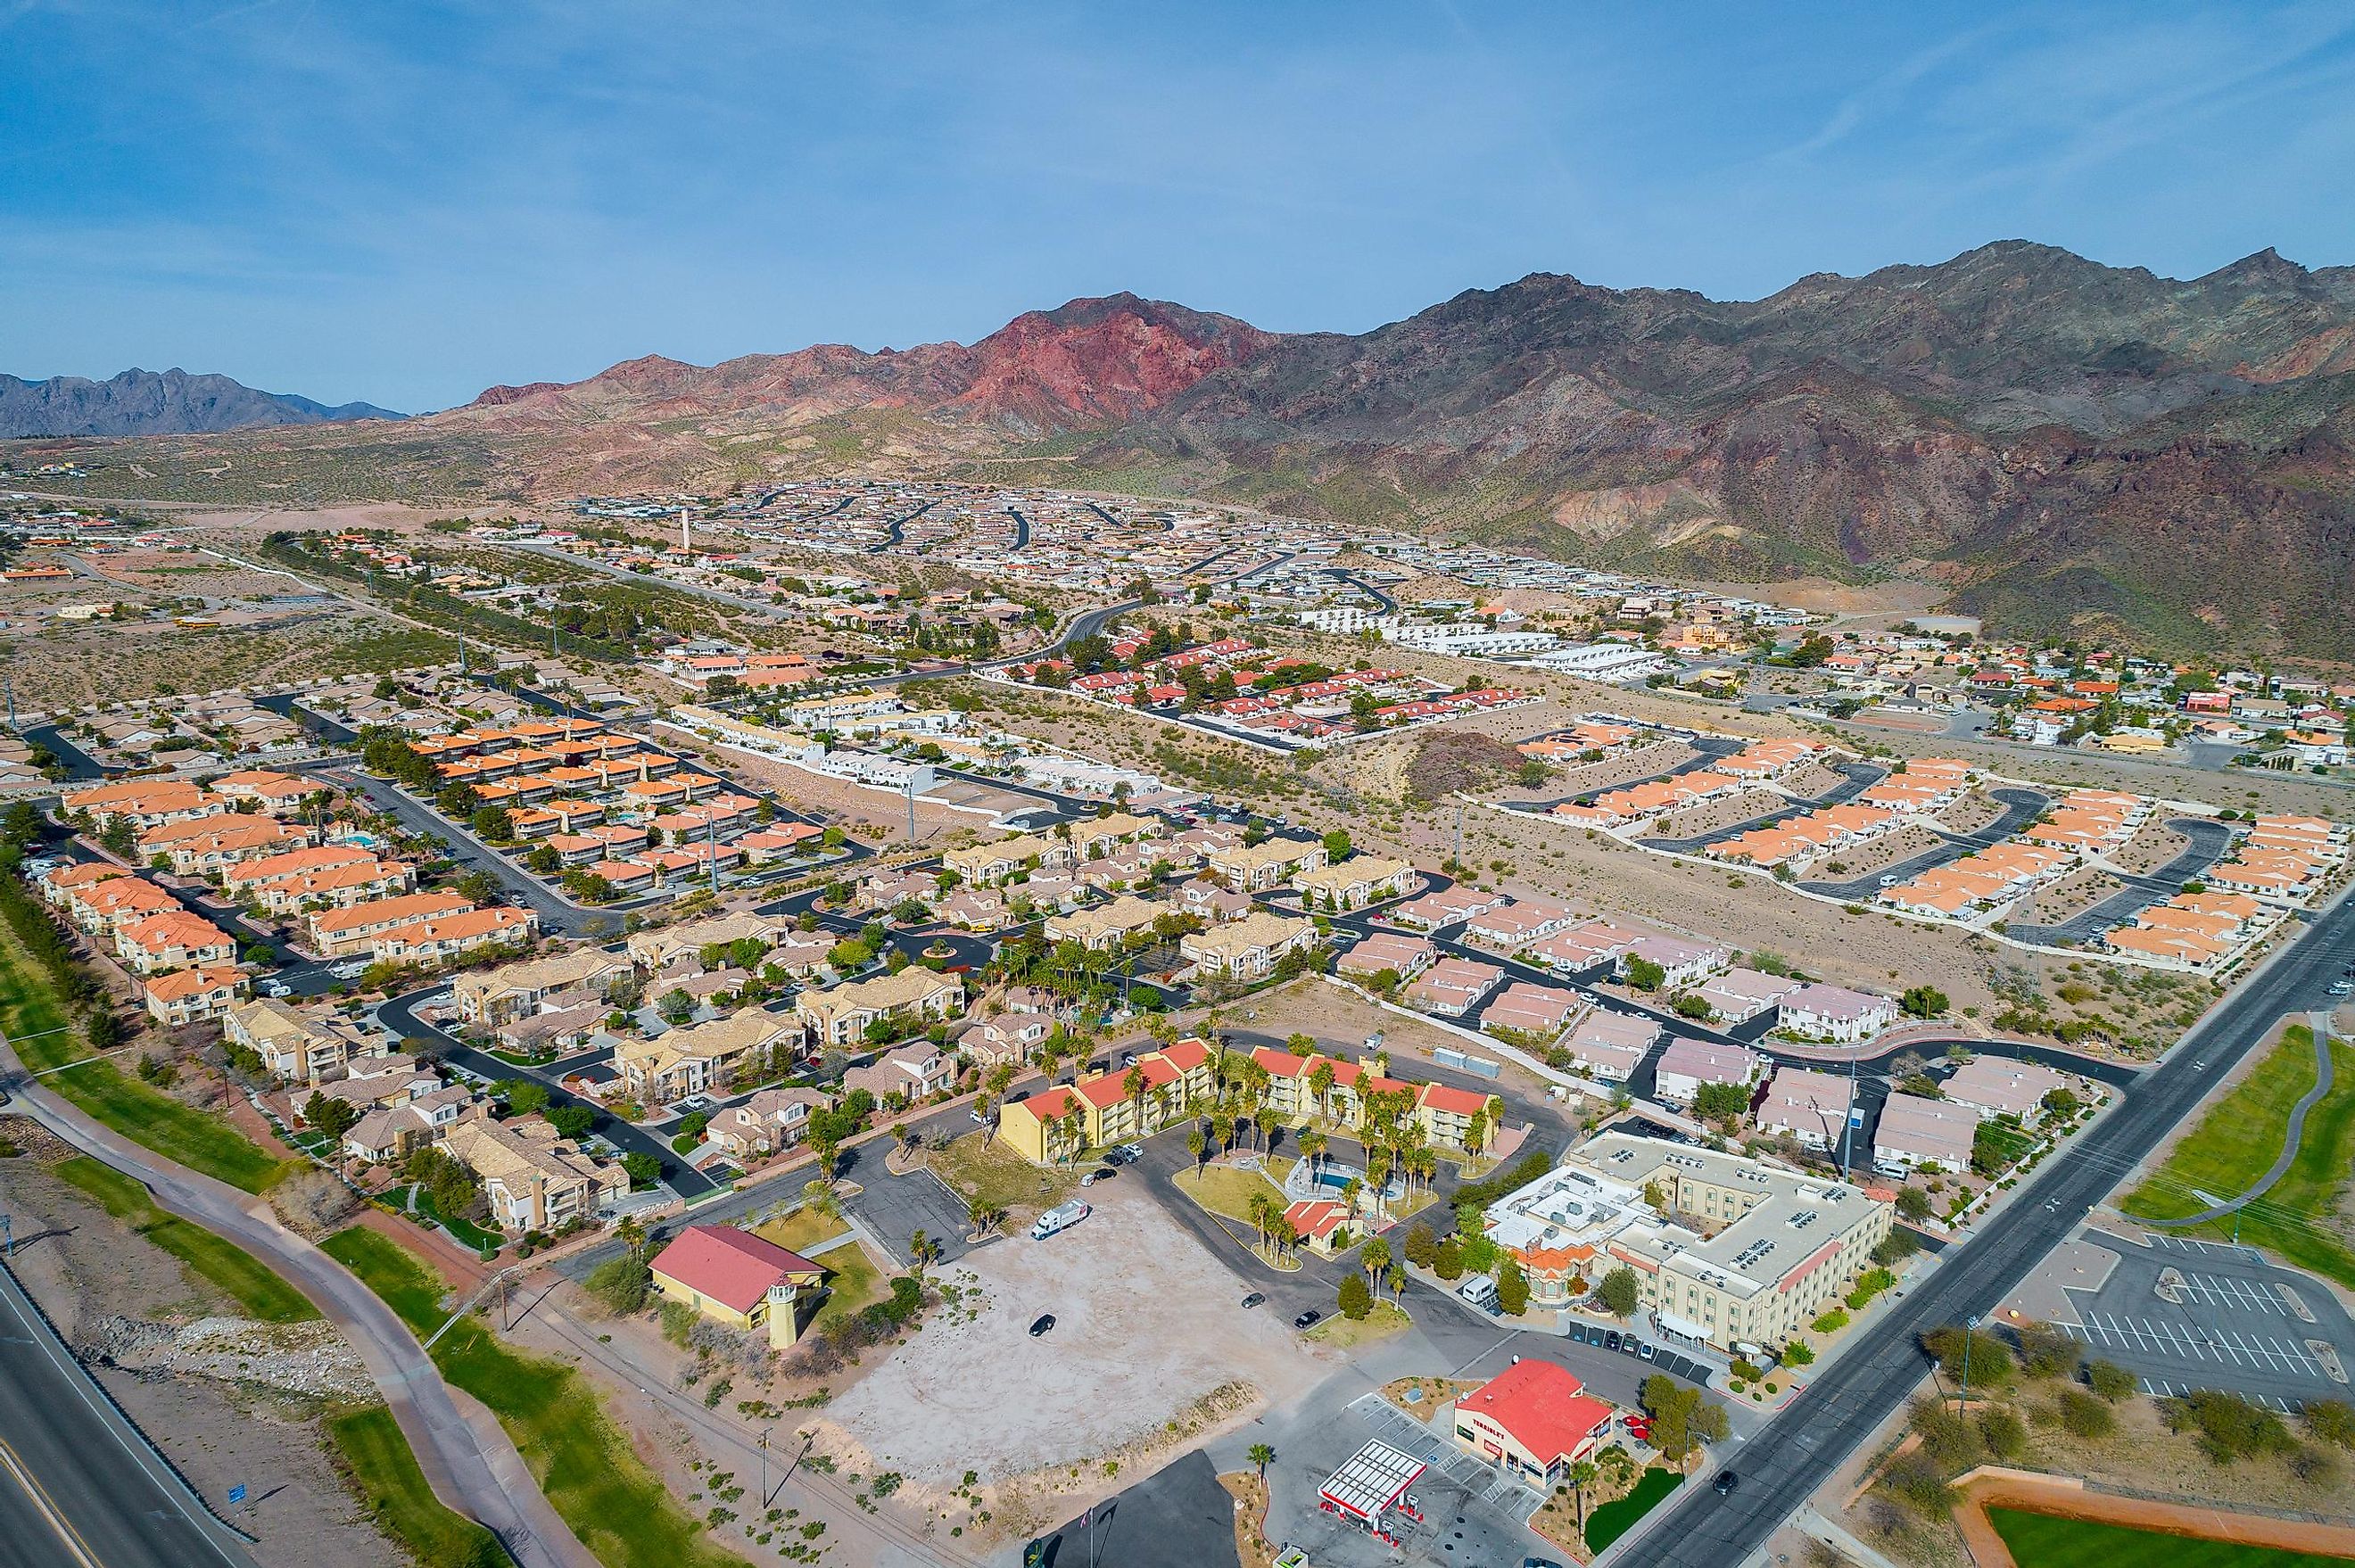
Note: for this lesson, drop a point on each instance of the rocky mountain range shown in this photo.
(154, 402)
(2067, 445)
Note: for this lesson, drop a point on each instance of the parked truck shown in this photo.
(1061, 1217)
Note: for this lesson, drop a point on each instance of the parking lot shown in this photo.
(896, 1207)
(1662, 1359)
(2184, 1315)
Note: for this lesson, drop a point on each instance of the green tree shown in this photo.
(1722, 1101)
(1618, 1292)
(1356, 1300)
(1260, 1454)
(1375, 1259)
(642, 1169)
(1914, 1204)
(1422, 1246)
(1922, 1001)
(1337, 844)
(1643, 975)
(675, 1007)
(1447, 1259)
(524, 1095)
(571, 1121)
(1512, 1287)
(332, 1116)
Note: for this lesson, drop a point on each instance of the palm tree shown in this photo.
(1266, 1121)
(1195, 1143)
(1222, 1129)
(1581, 1476)
(1375, 1259)
(1133, 1086)
(632, 1234)
(1313, 1144)
(1350, 1191)
(1262, 1456)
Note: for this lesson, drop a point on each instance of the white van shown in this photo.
(1480, 1291)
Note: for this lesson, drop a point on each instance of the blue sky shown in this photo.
(405, 202)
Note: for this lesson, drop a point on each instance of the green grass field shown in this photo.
(803, 1229)
(617, 1507)
(241, 1276)
(29, 1012)
(1613, 1519)
(383, 1469)
(1226, 1190)
(2043, 1541)
(852, 1281)
(2236, 1143)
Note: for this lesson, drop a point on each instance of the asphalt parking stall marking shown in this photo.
(2231, 1291)
(2219, 1347)
(2166, 1388)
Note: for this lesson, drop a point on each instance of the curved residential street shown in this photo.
(465, 1454)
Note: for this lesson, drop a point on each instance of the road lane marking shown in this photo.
(24, 1477)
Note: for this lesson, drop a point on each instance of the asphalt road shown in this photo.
(1799, 1450)
(69, 1464)
(400, 1016)
(475, 1468)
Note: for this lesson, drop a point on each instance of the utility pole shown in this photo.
(909, 785)
(711, 842)
(1848, 1124)
(1459, 836)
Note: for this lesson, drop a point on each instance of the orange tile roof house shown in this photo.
(191, 995)
(174, 939)
(290, 862)
(146, 803)
(340, 932)
(453, 935)
(1533, 1420)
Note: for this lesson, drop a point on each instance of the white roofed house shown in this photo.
(1106, 928)
(532, 1178)
(1833, 1013)
(1610, 1045)
(841, 1014)
(2003, 1086)
(1681, 962)
(291, 1047)
(1913, 1131)
(1405, 956)
(1740, 995)
(1249, 948)
(1687, 1063)
(494, 997)
(1810, 1107)
(1529, 1009)
(1518, 923)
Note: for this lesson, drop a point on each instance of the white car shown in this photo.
(348, 971)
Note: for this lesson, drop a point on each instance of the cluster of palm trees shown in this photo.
(1277, 1238)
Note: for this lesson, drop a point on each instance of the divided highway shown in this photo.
(1784, 1464)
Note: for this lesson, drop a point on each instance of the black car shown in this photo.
(1611, 1338)
(1045, 1322)
(1254, 1300)
(1726, 1481)
(1308, 1318)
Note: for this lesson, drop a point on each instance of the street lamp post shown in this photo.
(1970, 1327)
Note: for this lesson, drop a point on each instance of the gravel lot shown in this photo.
(1145, 1324)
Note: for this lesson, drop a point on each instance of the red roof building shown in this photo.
(1532, 1420)
(736, 1278)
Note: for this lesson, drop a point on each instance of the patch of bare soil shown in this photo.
(1973, 812)
(1451, 759)
(2154, 844)
(976, 1390)
(2072, 896)
(1889, 849)
(1628, 767)
(1723, 811)
(1811, 779)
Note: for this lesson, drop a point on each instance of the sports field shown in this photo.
(2047, 1541)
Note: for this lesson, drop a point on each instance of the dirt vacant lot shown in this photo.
(1146, 1323)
